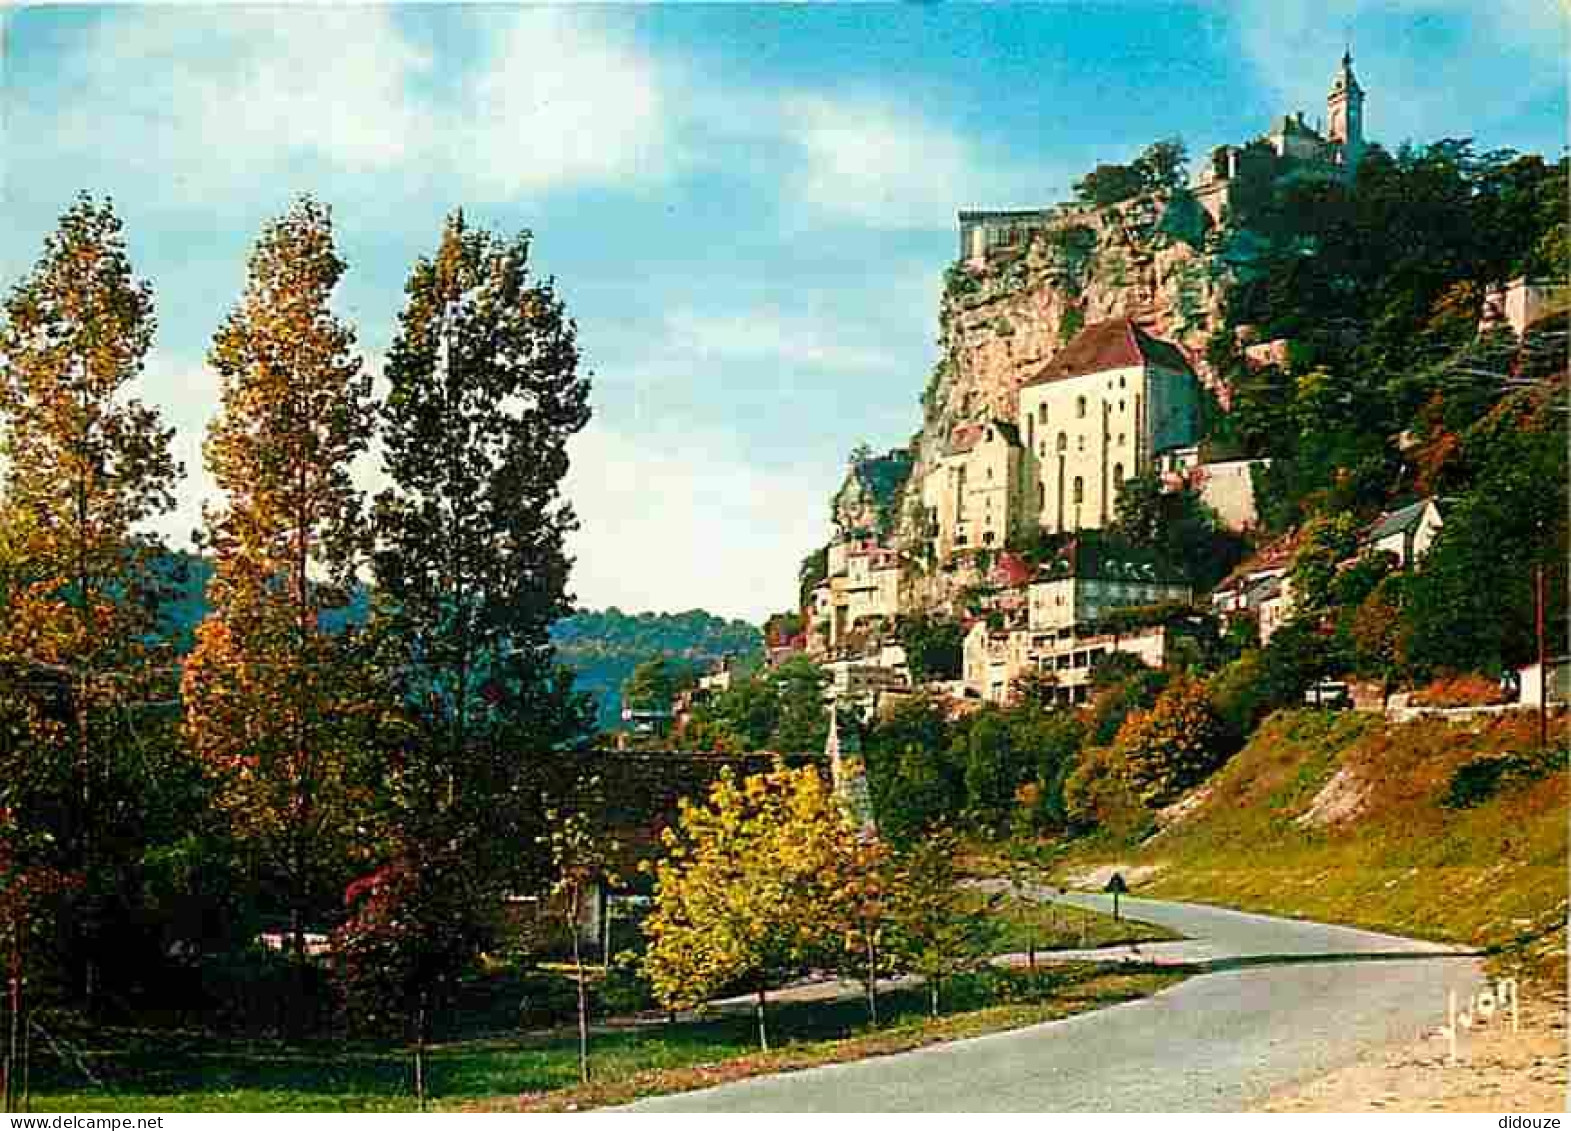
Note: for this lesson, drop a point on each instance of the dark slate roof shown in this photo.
(1403, 520)
(1116, 344)
(1089, 557)
(1292, 124)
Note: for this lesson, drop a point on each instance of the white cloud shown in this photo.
(870, 162)
(209, 99)
(768, 334)
(560, 101)
(207, 96)
(1495, 59)
(686, 520)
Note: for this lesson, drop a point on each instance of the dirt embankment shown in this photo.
(1496, 1070)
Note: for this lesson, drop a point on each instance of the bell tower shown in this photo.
(1345, 114)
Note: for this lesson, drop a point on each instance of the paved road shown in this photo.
(1284, 1001)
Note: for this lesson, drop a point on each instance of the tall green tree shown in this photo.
(277, 707)
(484, 392)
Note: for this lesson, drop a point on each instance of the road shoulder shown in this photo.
(1496, 1071)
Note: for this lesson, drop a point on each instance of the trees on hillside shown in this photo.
(932, 646)
(1159, 168)
(277, 707)
(780, 708)
(1174, 745)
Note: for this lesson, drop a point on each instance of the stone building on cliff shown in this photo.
(1291, 147)
(1114, 404)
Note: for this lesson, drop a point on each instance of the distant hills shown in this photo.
(602, 647)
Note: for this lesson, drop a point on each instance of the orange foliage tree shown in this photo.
(276, 705)
(83, 466)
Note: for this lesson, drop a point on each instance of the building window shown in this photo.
(1080, 406)
(1120, 439)
(1080, 443)
(1041, 413)
(1080, 490)
(1118, 471)
(1120, 406)
(1120, 385)
(1063, 442)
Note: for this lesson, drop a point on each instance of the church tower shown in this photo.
(1345, 114)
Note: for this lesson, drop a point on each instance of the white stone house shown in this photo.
(1111, 405)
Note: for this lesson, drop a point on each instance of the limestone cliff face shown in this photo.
(1003, 317)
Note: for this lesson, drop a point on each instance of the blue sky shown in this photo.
(748, 209)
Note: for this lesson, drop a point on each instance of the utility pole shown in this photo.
(1543, 664)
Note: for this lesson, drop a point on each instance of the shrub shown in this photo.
(1097, 796)
(1469, 689)
(1174, 745)
(1475, 782)
(625, 989)
(1236, 694)
(547, 1000)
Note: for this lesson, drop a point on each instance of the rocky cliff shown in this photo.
(1159, 260)
(1004, 317)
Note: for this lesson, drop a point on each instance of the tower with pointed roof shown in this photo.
(848, 773)
(1345, 114)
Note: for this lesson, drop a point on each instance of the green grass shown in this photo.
(1025, 923)
(159, 1071)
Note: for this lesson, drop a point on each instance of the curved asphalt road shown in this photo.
(1282, 1001)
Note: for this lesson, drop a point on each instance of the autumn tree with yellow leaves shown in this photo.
(743, 895)
(278, 707)
(84, 466)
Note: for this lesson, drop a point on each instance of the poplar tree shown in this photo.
(274, 700)
(84, 465)
(484, 392)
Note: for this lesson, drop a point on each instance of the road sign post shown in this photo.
(1117, 886)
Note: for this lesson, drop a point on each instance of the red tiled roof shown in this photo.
(964, 438)
(1013, 570)
(1117, 344)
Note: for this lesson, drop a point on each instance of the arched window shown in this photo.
(1063, 442)
(1080, 406)
(1080, 490)
(1118, 476)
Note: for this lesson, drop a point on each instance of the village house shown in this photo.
(862, 587)
(1407, 533)
(994, 660)
(1089, 579)
(976, 496)
(1521, 302)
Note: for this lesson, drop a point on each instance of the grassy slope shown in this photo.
(1023, 924)
(1397, 859)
